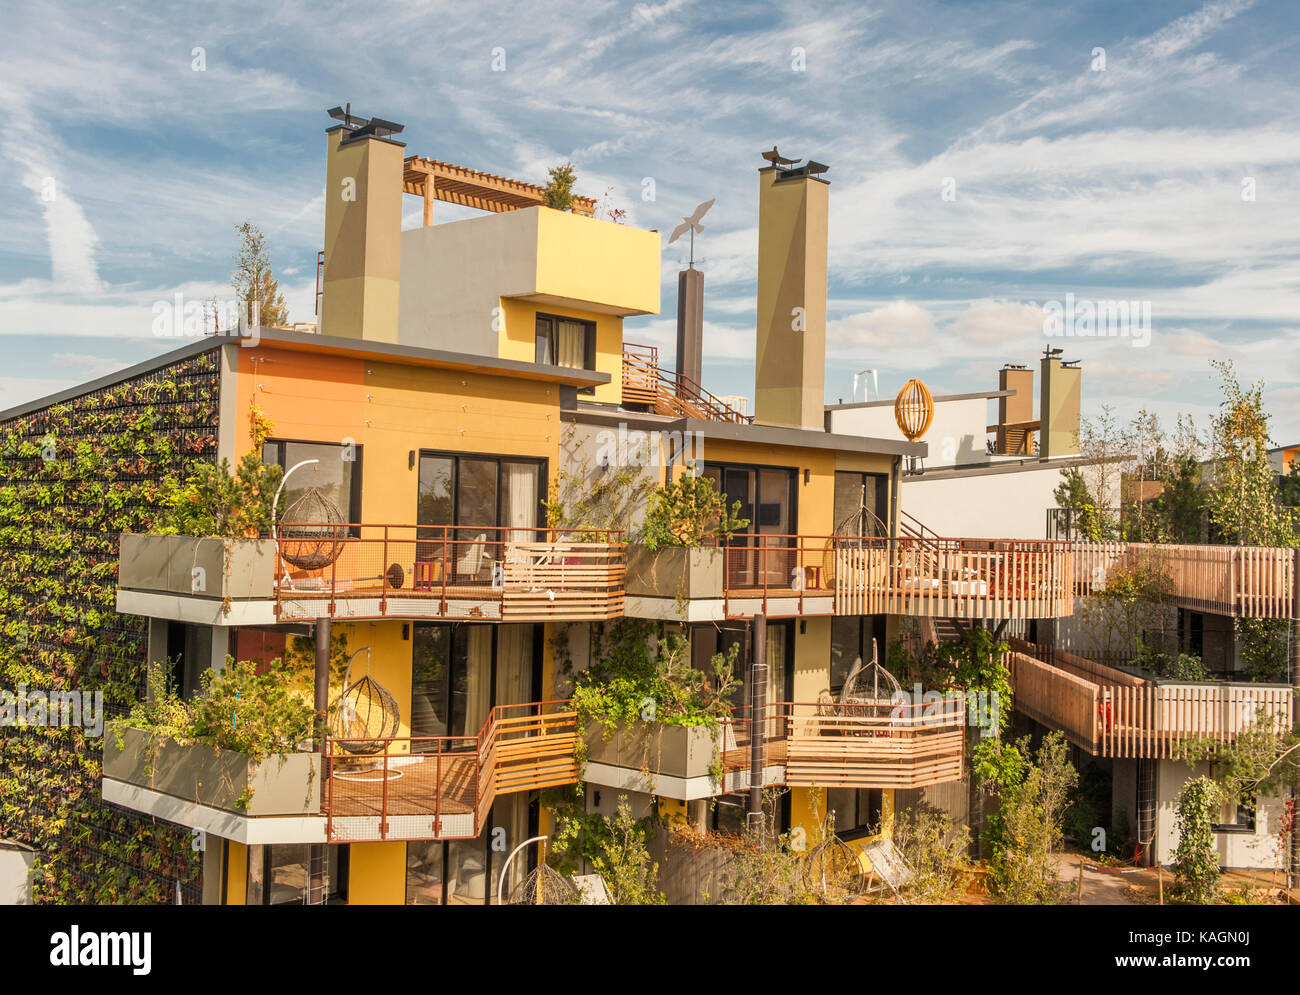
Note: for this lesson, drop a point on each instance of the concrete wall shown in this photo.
(1257, 850)
(15, 869)
(1009, 505)
(956, 436)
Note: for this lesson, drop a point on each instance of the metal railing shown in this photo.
(670, 393)
(435, 571)
(443, 787)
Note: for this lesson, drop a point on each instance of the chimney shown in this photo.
(363, 230)
(1013, 439)
(790, 371)
(1058, 409)
(690, 324)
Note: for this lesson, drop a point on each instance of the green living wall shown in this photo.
(73, 477)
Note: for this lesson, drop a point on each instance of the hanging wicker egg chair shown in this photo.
(315, 535)
(544, 885)
(832, 870)
(365, 713)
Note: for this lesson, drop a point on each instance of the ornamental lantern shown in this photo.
(913, 409)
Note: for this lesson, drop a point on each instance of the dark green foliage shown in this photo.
(73, 477)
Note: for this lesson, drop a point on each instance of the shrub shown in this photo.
(1196, 861)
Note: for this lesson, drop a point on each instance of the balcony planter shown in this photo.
(226, 569)
(282, 784)
(660, 749)
(675, 572)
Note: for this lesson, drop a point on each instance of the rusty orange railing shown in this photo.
(435, 571)
(443, 787)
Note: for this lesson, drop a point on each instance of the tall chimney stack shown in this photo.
(363, 231)
(1058, 408)
(1019, 408)
(790, 372)
(690, 324)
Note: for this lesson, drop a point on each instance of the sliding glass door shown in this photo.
(488, 501)
(759, 556)
(459, 673)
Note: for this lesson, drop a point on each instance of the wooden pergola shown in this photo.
(436, 180)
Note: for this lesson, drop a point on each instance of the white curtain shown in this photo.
(514, 664)
(570, 343)
(478, 680)
(521, 500)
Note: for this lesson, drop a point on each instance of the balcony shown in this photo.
(443, 787)
(1238, 581)
(407, 788)
(804, 745)
(1111, 713)
(375, 571)
(953, 578)
(669, 393)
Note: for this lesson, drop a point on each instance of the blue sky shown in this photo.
(1117, 183)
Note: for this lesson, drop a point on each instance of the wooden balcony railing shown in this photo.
(443, 787)
(1240, 581)
(953, 578)
(670, 393)
(1150, 720)
(867, 746)
(479, 572)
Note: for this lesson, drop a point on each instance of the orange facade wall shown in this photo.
(390, 409)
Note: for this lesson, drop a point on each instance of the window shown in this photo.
(861, 503)
(566, 342)
(1238, 817)
(852, 639)
(858, 811)
(480, 491)
(336, 473)
(280, 874)
(767, 497)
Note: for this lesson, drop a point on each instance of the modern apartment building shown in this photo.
(466, 380)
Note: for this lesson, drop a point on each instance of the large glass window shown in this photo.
(281, 874)
(335, 474)
(477, 491)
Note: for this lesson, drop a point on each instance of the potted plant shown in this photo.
(207, 542)
(680, 554)
(241, 745)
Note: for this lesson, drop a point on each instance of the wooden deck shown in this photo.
(1238, 581)
(429, 788)
(1147, 720)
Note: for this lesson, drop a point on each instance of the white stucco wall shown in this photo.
(956, 436)
(1257, 850)
(1009, 505)
(15, 870)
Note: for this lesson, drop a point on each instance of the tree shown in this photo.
(625, 863)
(1244, 510)
(1029, 825)
(559, 187)
(256, 289)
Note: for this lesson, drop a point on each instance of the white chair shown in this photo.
(471, 564)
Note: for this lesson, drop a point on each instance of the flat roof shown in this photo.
(938, 398)
(771, 435)
(333, 345)
(1012, 465)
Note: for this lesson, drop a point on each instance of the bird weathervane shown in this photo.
(692, 224)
